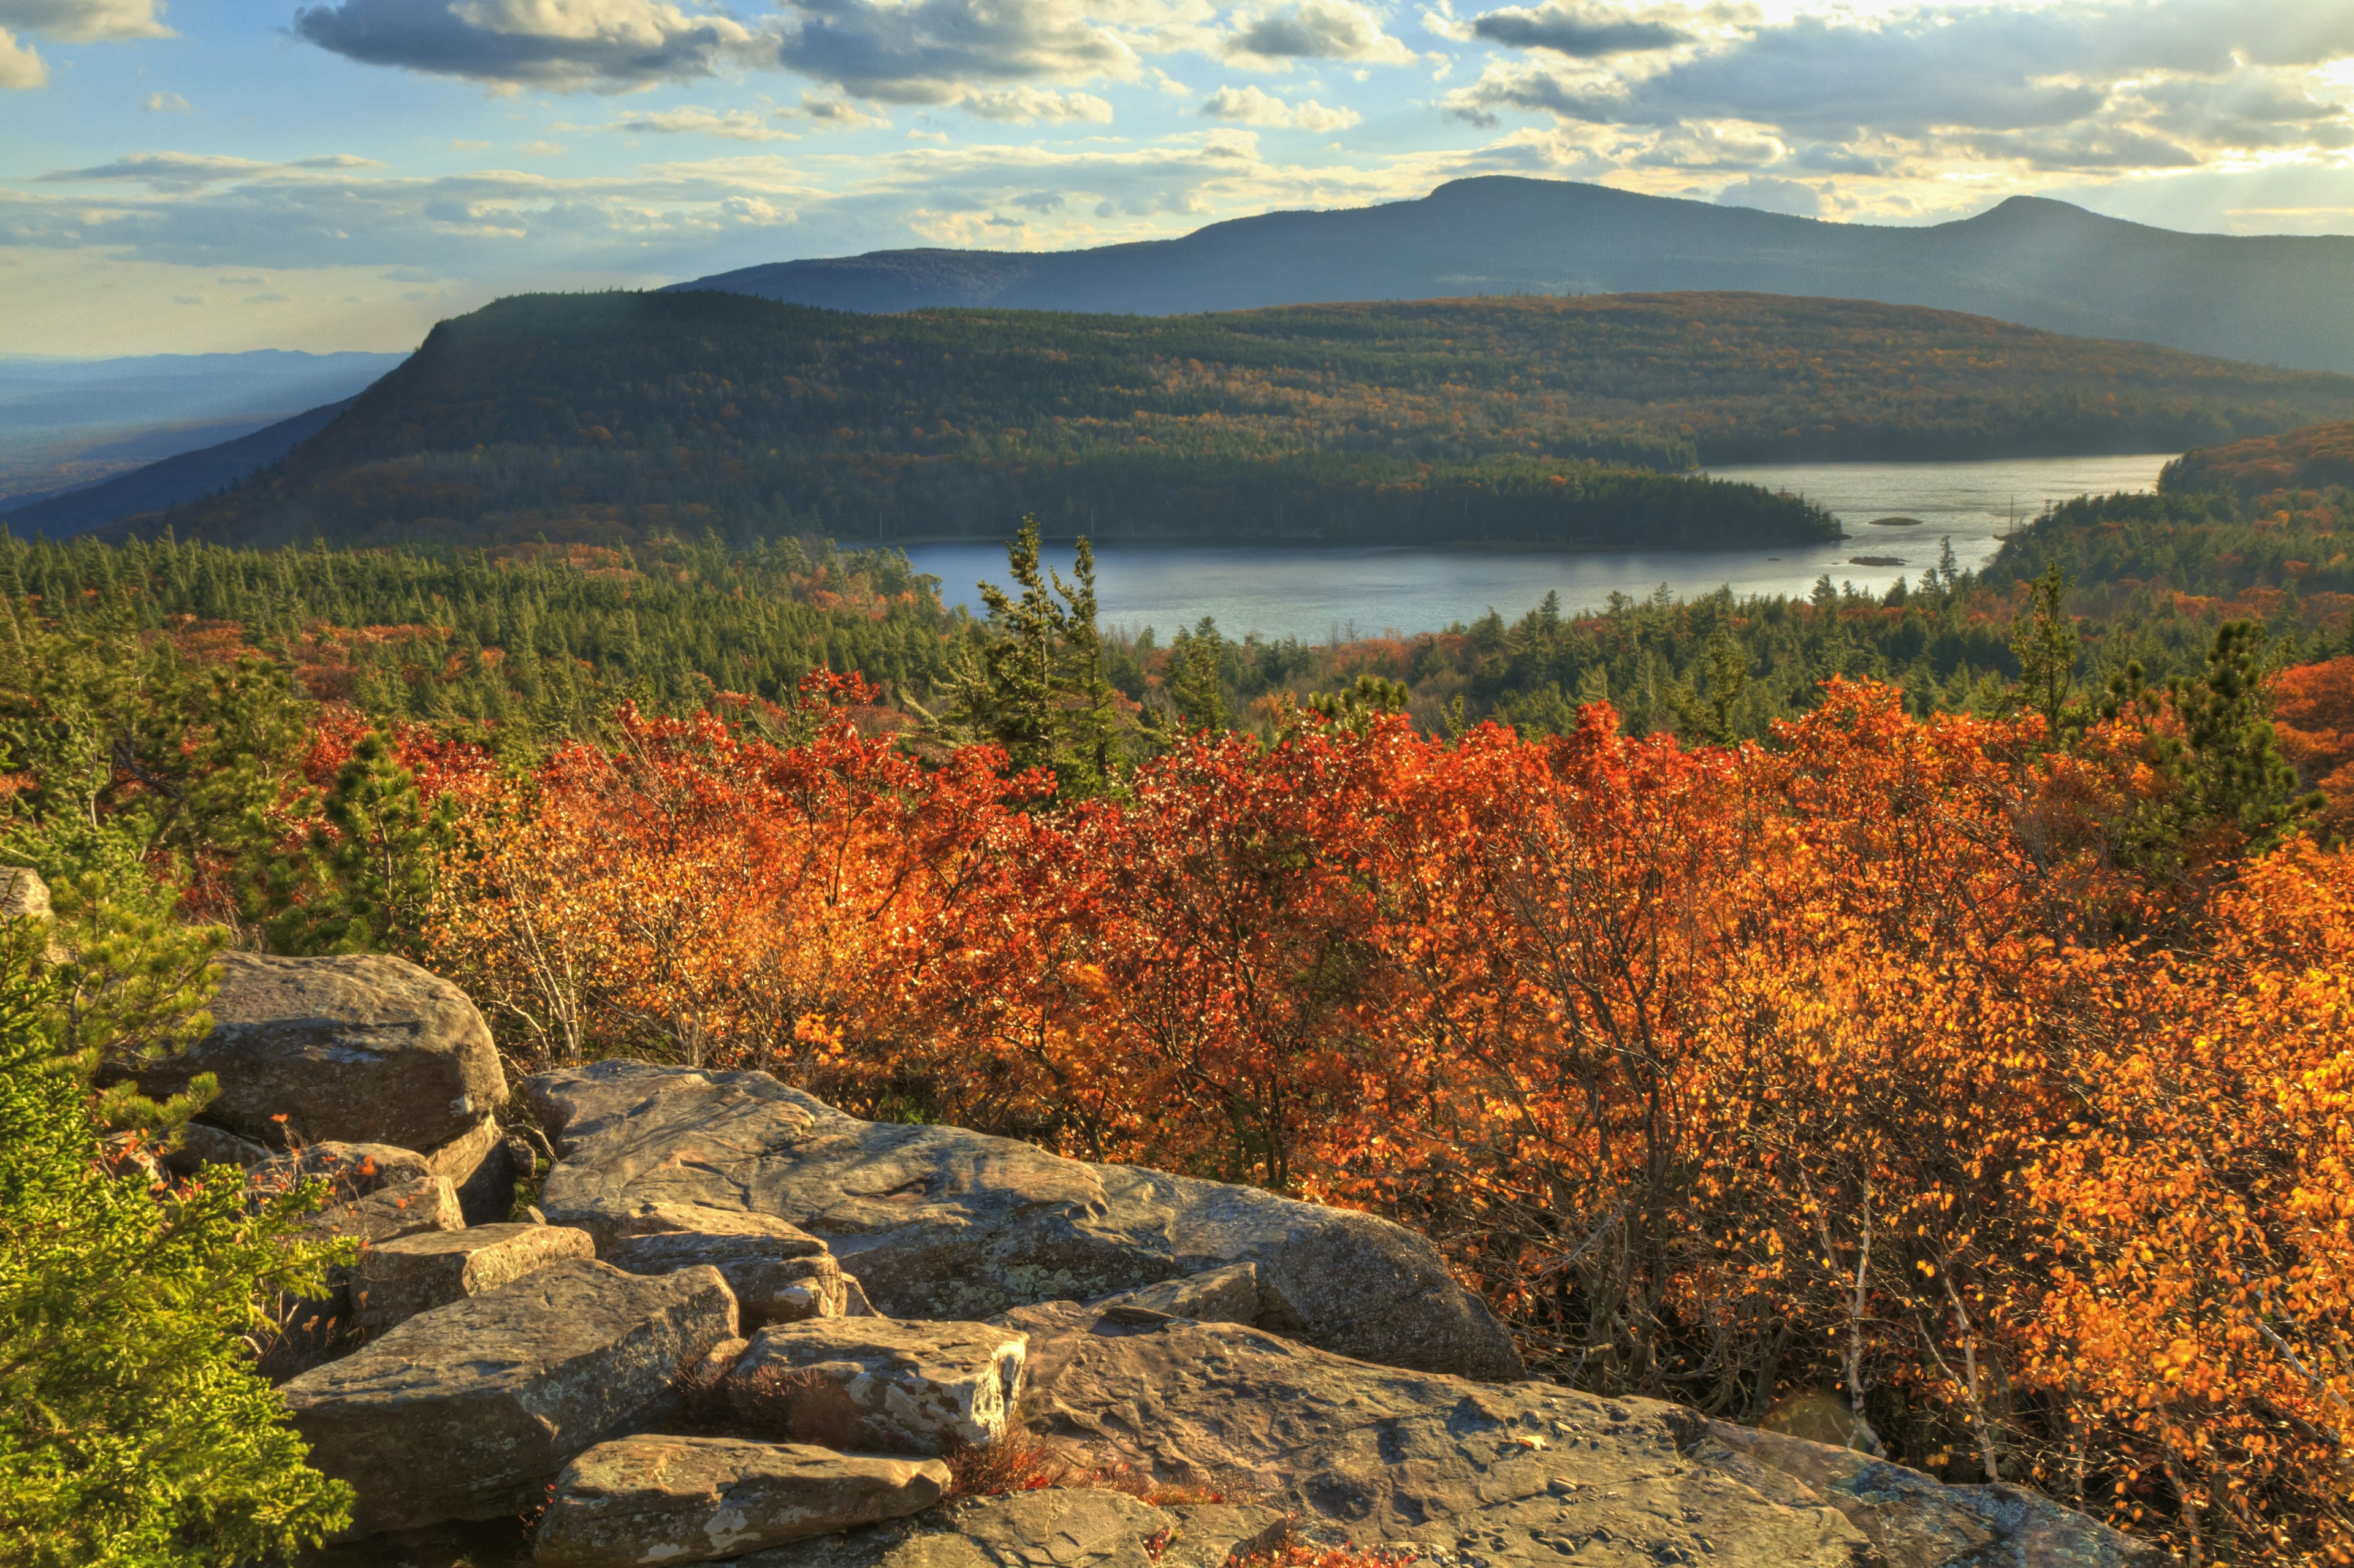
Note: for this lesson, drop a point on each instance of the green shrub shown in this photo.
(133, 1427)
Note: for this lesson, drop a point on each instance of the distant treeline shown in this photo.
(2313, 457)
(607, 418)
(539, 641)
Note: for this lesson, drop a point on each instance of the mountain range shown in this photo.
(2273, 298)
(613, 418)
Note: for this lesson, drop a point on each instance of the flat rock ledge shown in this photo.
(400, 1278)
(655, 1500)
(942, 1223)
(469, 1411)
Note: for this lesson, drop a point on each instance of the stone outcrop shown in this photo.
(481, 1165)
(1486, 1476)
(1228, 1295)
(872, 1384)
(942, 1223)
(364, 1049)
(780, 1273)
(349, 1169)
(397, 1280)
(469, 1411)
(388, 1213)
(655, 1500)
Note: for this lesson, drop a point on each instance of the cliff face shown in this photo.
(742, 1325)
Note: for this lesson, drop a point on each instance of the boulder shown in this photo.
(1486, 1475)
(780, 1273)
(1228, 1295)
(395, 1281)
(388, 1213)
(350, 1170)
(1914, 1518)
(470, 1410)
(659, 1238)
(1056, 1528)
(481, 1167)
(874, 1384)
(696, 1499)
(943, 1223)
(22, 895)
(364, 1049)
(200, 1146)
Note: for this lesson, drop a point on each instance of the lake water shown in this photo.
(1314, 594)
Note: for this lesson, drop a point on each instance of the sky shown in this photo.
(249, 174)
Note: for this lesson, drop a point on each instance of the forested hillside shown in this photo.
(610, 418)
(2312, 458)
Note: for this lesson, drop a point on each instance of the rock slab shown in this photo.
(655, 1500)
(1482, 1475)
(400, 1278)
(363, 1049)
(873, 1384)
(943, 1223)
(469, 1411)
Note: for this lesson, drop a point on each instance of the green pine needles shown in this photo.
(134, 1430)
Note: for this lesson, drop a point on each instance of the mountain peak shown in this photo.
(2030, 260)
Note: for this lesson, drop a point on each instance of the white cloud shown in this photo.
(833, 114)
(1255, 106)
(1768, 194)
(735, 124)
(167, 103)
(67, 21)
(1313, 29)
(20, 67)
(1023, 105)
(1995, 90)
(85, 21)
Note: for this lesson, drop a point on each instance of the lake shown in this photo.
(1318, 594)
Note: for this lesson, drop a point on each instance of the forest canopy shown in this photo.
(613, 418)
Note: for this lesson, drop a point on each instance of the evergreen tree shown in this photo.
(2046, 642)
(1196, 677)
(362, 879)
(134, 1430)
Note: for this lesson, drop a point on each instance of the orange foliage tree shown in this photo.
(1858, 1061)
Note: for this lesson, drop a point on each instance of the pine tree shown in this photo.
(134, 1431)
(362, 879)
(2046, 642)
(1196, 682)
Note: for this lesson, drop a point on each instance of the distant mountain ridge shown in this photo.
(615, 418)
(186, 477)
(2271, 299)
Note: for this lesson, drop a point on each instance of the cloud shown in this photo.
(540, 149)
(1255, 106)
(167, 103)
(1023, 105)
(85, 21)
(190, 171)
(609, 46)
(1916, 95)
(1314, 29)
(833, 114)
(20, 67)
(938, 51)
(1575, 31)
(272, 298)
(735, 124)
(1767, 194)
